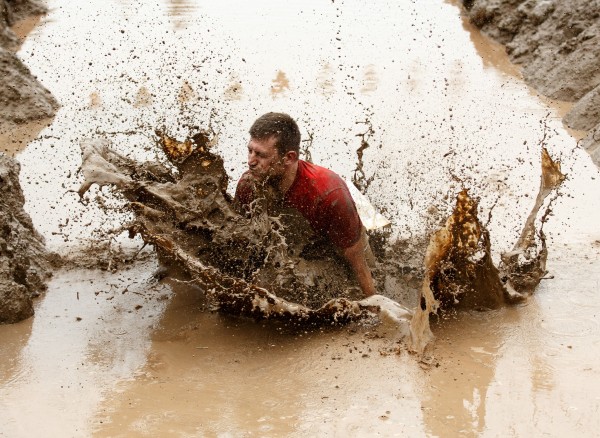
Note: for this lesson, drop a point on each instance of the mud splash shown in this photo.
(247, 266)
(459, 270)
(253, 266)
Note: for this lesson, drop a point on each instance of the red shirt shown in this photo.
(319, 195)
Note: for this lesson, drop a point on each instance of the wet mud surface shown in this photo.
(113, 351)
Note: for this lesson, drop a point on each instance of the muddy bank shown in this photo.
(22, 97)
(23, 259)
(24, 262)
(558, 45)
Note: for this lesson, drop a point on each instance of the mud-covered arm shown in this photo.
(343, 227)
(355, 255)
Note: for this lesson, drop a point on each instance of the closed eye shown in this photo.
(258, 154)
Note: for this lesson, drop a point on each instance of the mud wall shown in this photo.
(558, 45)
(22, 97)
(23, 259)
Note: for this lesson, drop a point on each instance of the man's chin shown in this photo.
(265, 178)
(258, 176)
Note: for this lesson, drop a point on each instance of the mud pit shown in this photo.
(113, 353)
(259, 265)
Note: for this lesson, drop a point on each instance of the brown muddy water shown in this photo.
(119, 354)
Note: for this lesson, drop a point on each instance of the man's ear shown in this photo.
(290, 157)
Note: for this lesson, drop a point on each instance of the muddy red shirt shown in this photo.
(319, 195)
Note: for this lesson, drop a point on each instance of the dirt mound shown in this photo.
(23, 259)
(558, 44)
(24, 262)
(22, 97)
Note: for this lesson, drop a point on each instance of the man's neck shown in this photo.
(288, 178)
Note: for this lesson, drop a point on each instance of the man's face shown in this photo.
(264, 160)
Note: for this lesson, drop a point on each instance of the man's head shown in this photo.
(282, 127)
(274, 145)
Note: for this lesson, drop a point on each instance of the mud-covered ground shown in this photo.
(558, 45)
(115, 352)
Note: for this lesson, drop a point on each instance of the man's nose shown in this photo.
(251, 159)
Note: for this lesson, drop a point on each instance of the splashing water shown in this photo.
(253, 266)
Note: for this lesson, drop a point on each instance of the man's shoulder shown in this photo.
(319, 177)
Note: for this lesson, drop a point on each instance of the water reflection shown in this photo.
(280, 84)
(326, 80)
(86, 334)
(15, 137)
(181, 12)
(370, 80)
(235, 90)
(143, 98)
(13, 337)
(187, 93)
(465, 355)
(207, 374)
(492, 54)
(24, 27)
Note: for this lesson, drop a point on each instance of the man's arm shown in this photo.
(355, 255)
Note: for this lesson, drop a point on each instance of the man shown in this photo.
(318, 194)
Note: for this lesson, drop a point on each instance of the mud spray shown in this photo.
(262, 267)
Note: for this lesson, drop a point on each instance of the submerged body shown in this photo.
(320, 196)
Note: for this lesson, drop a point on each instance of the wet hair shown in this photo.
(282, 127)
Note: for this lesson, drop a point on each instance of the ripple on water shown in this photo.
(19, 376)
(587, 300)
(570, 326)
